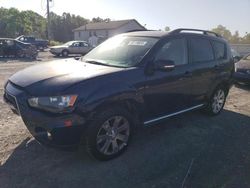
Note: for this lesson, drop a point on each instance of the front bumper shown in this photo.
(58, 130)
(242, 77)
(55, 52)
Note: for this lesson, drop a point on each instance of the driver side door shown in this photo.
(169, 91)
(74, 48)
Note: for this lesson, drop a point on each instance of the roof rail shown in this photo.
(205, 32)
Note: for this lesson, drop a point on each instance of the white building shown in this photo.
(104, 30)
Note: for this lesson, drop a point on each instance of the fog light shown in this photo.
(49, 135)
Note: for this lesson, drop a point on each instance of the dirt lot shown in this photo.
(214, 150)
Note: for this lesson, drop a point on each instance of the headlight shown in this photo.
(56, 104)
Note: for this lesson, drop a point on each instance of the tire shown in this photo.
(216, 101)
(65, 53)
(108, 134)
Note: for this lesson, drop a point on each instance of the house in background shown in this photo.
(104, 30)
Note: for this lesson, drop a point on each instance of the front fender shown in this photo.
(110, 94)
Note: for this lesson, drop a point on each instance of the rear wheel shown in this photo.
(217, 101)
(109, 134)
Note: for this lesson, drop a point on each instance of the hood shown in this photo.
(56, 76)
(243, 64)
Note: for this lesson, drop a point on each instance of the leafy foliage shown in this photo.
(14, 23)
(61, 26)
(232, 38)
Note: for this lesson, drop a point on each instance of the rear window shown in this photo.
(201, 50)
(220, 50)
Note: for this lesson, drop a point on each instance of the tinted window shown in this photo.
(220, 50)
(201, 50)
(76, 44)
(174, 50)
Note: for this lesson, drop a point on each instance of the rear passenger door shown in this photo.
(201, 57)
(223, 67)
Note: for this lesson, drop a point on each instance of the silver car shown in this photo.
(71, 47)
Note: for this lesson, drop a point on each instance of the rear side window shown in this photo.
(200, 50)
(220, 50)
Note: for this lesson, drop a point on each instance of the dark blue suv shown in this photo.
(137, 78)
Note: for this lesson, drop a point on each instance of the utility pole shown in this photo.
(48, 20)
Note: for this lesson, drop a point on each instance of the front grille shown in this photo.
(11, 100)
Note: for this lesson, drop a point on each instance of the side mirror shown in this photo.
(77, 58)
(164, 65)
(236, 59)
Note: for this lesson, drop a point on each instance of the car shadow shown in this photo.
(208, 151)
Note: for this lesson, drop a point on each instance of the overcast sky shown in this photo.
(155, 14)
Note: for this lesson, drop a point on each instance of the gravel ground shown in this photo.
(214, 150)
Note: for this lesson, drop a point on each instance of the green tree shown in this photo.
(14, 23)
(246, 39)
(235, 39)
(167, 28)
(98, 19)
(223, 31)
(62, 26)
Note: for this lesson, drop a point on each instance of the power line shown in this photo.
(48, 19)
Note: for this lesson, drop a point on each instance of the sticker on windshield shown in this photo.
(137, 43)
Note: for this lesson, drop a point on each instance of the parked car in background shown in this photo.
(242, 70)
(71, 47)
(40, 44)
(14, 48)
(137, 78)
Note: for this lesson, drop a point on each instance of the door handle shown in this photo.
(188, 74)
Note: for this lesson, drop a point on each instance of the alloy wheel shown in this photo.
(113, 135)
(218, 101)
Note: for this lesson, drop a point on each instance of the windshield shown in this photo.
(68, 43)
(121, 51)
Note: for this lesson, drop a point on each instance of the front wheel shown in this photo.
(109, 134)
(217, 101)
(65, 53)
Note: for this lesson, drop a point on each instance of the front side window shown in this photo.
(121, 51)
(76, 44)
(220, 50)
(174, 50)
(200, 50)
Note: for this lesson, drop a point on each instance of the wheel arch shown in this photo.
(130, 105)
(223, 84)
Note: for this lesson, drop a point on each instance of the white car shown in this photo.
(71, 47)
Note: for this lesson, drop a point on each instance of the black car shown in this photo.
(137, 78)
(242, 70)
(13, 48)
(40, 44)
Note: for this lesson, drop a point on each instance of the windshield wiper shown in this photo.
(101, 63)
(95, 62)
